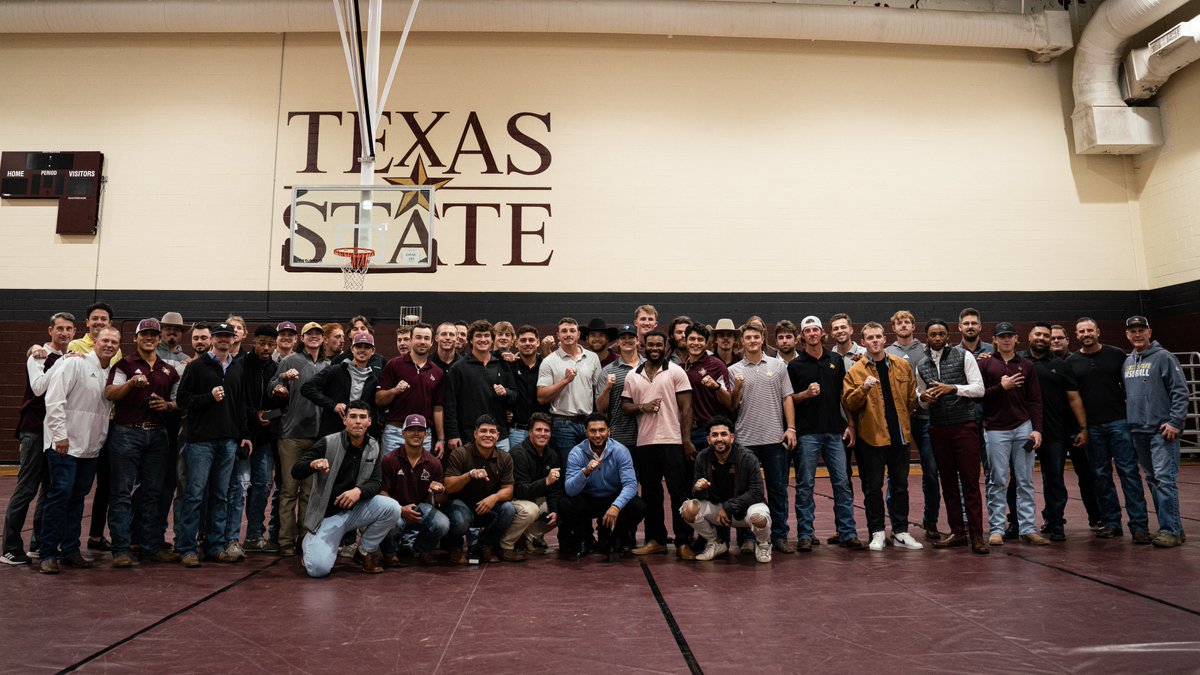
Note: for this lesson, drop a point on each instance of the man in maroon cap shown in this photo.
(335, 387)
(285, 340)
(143, 389)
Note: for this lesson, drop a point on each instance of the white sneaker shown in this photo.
(762, 552)
(877, 540)
(711, 550)
(905, 540)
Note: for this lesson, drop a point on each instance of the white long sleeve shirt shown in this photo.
(39, 377)
(75, 405)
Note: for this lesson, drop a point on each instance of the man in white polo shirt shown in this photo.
(567, 381)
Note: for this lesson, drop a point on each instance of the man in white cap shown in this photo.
(816, 375)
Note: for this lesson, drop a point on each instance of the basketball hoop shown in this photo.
(354, 269)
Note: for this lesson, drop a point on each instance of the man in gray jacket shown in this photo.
(299, 428)
(345, 495)
(1156, 400)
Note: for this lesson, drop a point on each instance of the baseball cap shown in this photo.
(810, 320)
(311, 325)
(286, 325)
(626, 329)
(223, 329)
(1004, 328)
(1137, 321)
(363, 338)
(725, 325)
(148, 325)
(172, 319)
(415, 421)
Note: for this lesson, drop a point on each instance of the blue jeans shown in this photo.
(378, 515)
(811, 448)
(493, 523)
(930, 486)
(774, 460)
(393, 440)
(1110, 443)
(70, 481)
(137, 457)
(424, 535)
(208, 466)
(235, 499)
(262, 481)
(516, 437)
(1005, 449)
(1160, 460)
(566, 435)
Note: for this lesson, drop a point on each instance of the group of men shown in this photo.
(478, 439)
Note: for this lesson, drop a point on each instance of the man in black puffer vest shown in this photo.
(947, 380)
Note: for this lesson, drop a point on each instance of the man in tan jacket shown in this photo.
(882, 391)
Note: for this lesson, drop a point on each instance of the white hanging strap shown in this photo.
(387, 88)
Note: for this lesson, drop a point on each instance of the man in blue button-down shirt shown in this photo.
(601, 484)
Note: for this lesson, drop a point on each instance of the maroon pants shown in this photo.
(956, 449)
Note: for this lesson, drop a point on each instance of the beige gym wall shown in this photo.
(677, 165)
(1168, 183)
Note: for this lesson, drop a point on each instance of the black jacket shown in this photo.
(747, 482)
(470, 392)
(330, 387)
(255, 376)
(529, 474)
(208, 419)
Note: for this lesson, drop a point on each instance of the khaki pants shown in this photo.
(293, 498)
(528, 523)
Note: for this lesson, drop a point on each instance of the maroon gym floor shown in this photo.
(1085, 605)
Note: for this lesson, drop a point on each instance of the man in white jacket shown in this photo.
(77, 416)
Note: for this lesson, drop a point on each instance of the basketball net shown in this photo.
(362, 65)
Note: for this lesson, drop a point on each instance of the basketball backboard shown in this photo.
(394, 220)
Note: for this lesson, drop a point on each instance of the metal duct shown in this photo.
(1102, 123)
(1147, 69)
(1045, 34)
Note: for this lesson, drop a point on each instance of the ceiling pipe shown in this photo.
(1102, 122)
(1046, 35)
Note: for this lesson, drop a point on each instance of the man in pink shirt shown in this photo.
(659, 394)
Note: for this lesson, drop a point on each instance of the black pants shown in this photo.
(872, 462)
(100, 499)
(33, 478)
(575, 516)
(654, 464)
(1087, 492)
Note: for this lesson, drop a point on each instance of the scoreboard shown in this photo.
(73, 178)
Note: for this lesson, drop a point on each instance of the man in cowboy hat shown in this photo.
(598, 337)
(170, 348)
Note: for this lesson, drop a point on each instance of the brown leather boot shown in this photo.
(978, 545)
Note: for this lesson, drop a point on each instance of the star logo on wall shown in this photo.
(418, 177)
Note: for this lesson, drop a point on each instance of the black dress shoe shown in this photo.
(576, 551)
(98, 544)
(1011, 533)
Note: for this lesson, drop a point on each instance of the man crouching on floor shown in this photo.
(345, 495)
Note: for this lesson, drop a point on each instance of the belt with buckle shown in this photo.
(145, 426)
